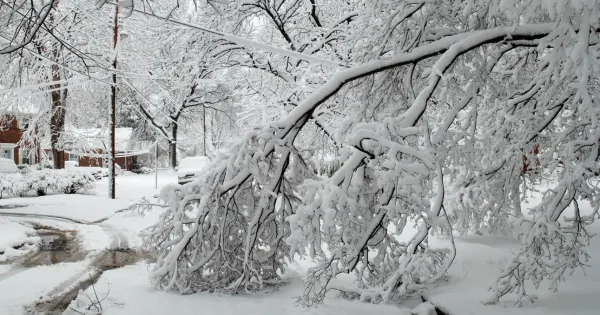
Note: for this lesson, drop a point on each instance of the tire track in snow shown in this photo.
(117, 254)
(62, 218)
(12, 272)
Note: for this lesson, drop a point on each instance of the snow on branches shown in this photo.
(226, 231)
(440, 107)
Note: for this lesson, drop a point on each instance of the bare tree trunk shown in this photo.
(57, 118)
(113, 110)
(173, 146)
(57, 121)
(38, 147)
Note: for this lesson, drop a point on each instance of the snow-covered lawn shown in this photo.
(130, 294)
(478, 262)
(479, 259)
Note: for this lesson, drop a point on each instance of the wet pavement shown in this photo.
(56, 246)
(60, 246)
(107, 260)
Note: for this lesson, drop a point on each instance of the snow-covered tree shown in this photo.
(434, 108)
(59, 75)
(442, 114)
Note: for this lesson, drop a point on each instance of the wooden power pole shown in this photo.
(113, 109)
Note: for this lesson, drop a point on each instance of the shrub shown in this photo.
(41, 182)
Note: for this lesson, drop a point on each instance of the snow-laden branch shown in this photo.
(463, 42)
(30, 31)
(234, 227)
(244, 41)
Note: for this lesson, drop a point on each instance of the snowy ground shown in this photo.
(128, 291)
(91, 207)
(15, 239)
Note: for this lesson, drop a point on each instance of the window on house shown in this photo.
(24, 123)
(25, 156)
(7, 150)
(73, 157)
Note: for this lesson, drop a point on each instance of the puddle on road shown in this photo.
(56, 246)
(63, 246)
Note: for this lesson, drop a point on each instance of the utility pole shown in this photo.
(156, 166)
(113, 109)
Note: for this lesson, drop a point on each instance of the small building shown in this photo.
(11, 147)
(88, 147)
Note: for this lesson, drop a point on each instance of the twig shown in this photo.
(95, 293)
(76, 310)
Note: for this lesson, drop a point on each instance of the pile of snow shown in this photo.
(16, 239)
(8, 166)
(71, 164)
(44, 181)
(145, 170)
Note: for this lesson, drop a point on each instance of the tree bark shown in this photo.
(57, 118)
(113, 110)
(173, 146)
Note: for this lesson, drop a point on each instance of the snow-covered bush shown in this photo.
(145, 170)
(11, 185)
(42, 182)
(79, 182)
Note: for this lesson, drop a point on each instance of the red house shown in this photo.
(11, 146)
(88, 147)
